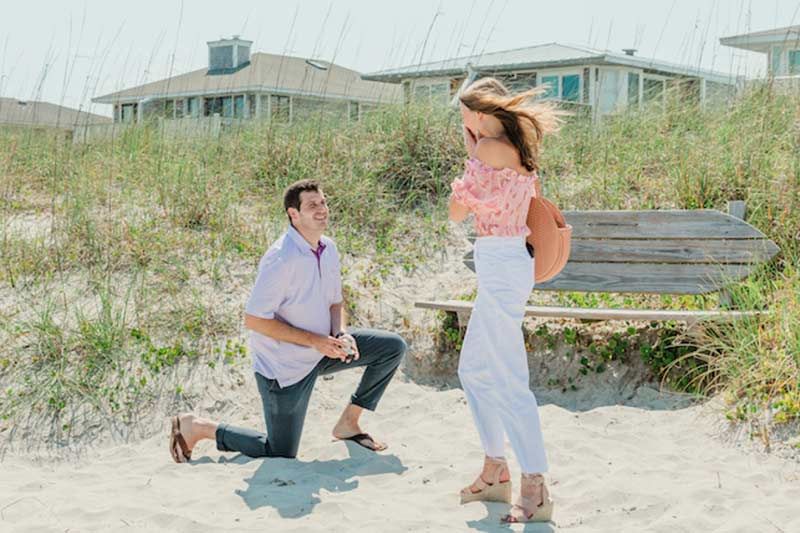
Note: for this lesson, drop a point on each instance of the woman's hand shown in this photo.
(470, 141)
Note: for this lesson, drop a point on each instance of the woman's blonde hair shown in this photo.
(525, 122)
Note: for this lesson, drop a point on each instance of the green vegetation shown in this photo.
(121, 260)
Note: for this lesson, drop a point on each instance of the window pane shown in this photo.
(794, 61)
(776, 60)
(251, 104)
(518, 82)
(227, 106)
(220, 57)
(422, 92)
(570, 87)
(238, 106)
(128, 112)
(179, 108)
(551, 85)
(653, 89)
(611, 87)
(213, 106)
(279, 106)
(633, 88)
(191, 107)
(440, 93)
(353, 111)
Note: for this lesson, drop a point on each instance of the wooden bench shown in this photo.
(659, 252)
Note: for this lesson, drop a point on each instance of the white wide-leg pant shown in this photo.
(493, 367)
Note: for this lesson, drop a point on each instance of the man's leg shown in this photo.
(380, 352)
(284, 414)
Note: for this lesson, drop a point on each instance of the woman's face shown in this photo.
(470, 119)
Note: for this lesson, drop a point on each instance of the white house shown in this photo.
(600, 82)
(782, 46)
(240, 85)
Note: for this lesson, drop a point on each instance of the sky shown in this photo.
(68, 51)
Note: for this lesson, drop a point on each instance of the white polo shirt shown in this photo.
(298, 287)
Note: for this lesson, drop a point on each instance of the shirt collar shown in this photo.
(302, 243)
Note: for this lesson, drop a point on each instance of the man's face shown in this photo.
(313, 213)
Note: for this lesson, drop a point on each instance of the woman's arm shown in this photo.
(458, 211)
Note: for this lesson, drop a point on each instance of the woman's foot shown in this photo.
(534, 504)
(493, 484)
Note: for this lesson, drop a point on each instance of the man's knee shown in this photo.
(396, 346)
(286, 450)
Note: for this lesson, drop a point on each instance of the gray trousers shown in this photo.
(285, 407)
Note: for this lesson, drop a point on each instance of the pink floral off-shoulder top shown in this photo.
(499, 198)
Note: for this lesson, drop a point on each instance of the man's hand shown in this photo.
(346, 337)
(329, 346)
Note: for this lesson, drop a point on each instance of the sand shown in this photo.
(613, 468)
(624, 457)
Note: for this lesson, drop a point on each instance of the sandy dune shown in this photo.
(614, 468)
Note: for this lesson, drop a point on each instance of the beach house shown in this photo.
(598, 82)
(782, 48)
(240, 84)
(15, 112)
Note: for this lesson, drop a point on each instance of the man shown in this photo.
(297, 332)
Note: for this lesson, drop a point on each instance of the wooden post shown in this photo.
(737, 209)
(463, 318)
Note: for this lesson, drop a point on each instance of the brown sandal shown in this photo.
(176, 437)
(542, 512)
(496, 491)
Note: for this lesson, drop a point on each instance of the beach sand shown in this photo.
(623, 456)
(613, 468)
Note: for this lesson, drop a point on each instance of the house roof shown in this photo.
(760, 41)
(32, 113)
(266, 73)
(548, 55)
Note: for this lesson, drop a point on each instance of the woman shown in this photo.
(502, 134)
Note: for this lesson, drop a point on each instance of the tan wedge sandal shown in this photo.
(495, 491)
(527, 509)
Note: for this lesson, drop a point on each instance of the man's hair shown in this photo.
(291, 196)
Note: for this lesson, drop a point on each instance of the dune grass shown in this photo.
(120, 259)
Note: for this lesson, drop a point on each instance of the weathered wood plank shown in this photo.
(670, 251)
(736, 209)
(665, 224)
(673, 224)
(675, 278)
(463, 308)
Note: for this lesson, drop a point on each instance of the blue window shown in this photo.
(633, 88)
(551, 84)
(227, 106)
(238, 107)
(570, 88)
(794, 61)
